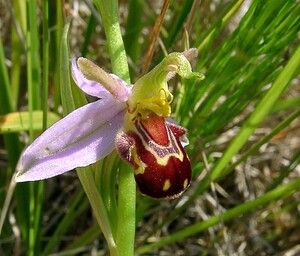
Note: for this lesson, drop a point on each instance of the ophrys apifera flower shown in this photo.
(133, 119)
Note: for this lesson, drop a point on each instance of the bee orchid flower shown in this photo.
(133, 119)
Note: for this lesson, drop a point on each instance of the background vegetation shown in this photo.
(243, 124)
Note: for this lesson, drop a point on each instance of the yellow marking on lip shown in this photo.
(167, 185)
(163, 161)
(185, 183)
(141, 169)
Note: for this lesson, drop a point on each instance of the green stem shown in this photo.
(45, 62)
(110, 18)
(126, 211)
(127, 190)
(33, 80)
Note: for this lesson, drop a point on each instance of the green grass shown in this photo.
(242, 122)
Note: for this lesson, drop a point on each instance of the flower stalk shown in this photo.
(110, 18)
(127, 189)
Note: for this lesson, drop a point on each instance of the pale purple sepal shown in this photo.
(128, 87)
(89, 87)
(94, 88)
(81, 138)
